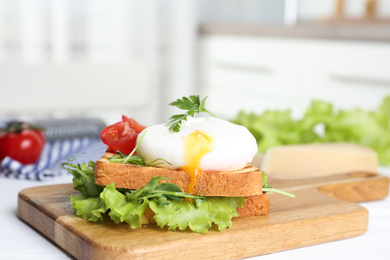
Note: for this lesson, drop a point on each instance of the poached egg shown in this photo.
(202, 144)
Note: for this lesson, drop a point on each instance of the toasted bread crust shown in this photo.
(254, 206)
(241, 183)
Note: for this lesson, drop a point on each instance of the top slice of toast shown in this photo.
(240, 183)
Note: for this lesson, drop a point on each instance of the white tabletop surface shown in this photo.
(20, 241)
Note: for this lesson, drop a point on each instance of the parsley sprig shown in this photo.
(267, 188)
(192, 104)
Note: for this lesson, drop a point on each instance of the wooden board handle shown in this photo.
(354, 186)
(372, 188)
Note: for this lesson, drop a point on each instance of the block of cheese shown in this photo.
(315, 160)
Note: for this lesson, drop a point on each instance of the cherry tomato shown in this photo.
(23, 144)
(1, 145)
(122, 136)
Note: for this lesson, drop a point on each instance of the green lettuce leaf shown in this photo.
(383, 114)
(87, 207)
(121, 209)
(166, 200)
(181, 214)
(368, 128)
(275, 128)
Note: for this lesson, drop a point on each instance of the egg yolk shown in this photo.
(196, 145)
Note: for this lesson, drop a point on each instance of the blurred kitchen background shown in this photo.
(102, 59)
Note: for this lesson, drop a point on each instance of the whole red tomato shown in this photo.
(21, 142)
(122, 136)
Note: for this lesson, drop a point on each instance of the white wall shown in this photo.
(58, 37)
(259, 73)
(159, 35)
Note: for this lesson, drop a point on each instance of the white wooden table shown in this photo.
(20, 241)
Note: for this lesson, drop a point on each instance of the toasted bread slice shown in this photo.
(254, 206)
(240, 183)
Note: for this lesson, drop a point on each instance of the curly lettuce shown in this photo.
(89, 208)
(181, 214)
(368, 128)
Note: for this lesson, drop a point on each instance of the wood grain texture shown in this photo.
(314, 216)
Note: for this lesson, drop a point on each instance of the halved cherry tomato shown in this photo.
(122, 136)
(22, 142)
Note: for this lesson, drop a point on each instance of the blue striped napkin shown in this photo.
(54, 153)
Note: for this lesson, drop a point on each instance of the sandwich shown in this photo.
(193, 172)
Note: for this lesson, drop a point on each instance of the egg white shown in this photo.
(233, 145)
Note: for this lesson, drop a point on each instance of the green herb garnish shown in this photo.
(192, 105)
(135, 159)
(267, 188)
(162, 191)
(83, 178)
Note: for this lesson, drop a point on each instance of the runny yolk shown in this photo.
(196, 145)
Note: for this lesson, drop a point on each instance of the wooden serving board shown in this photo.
(324, 210)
